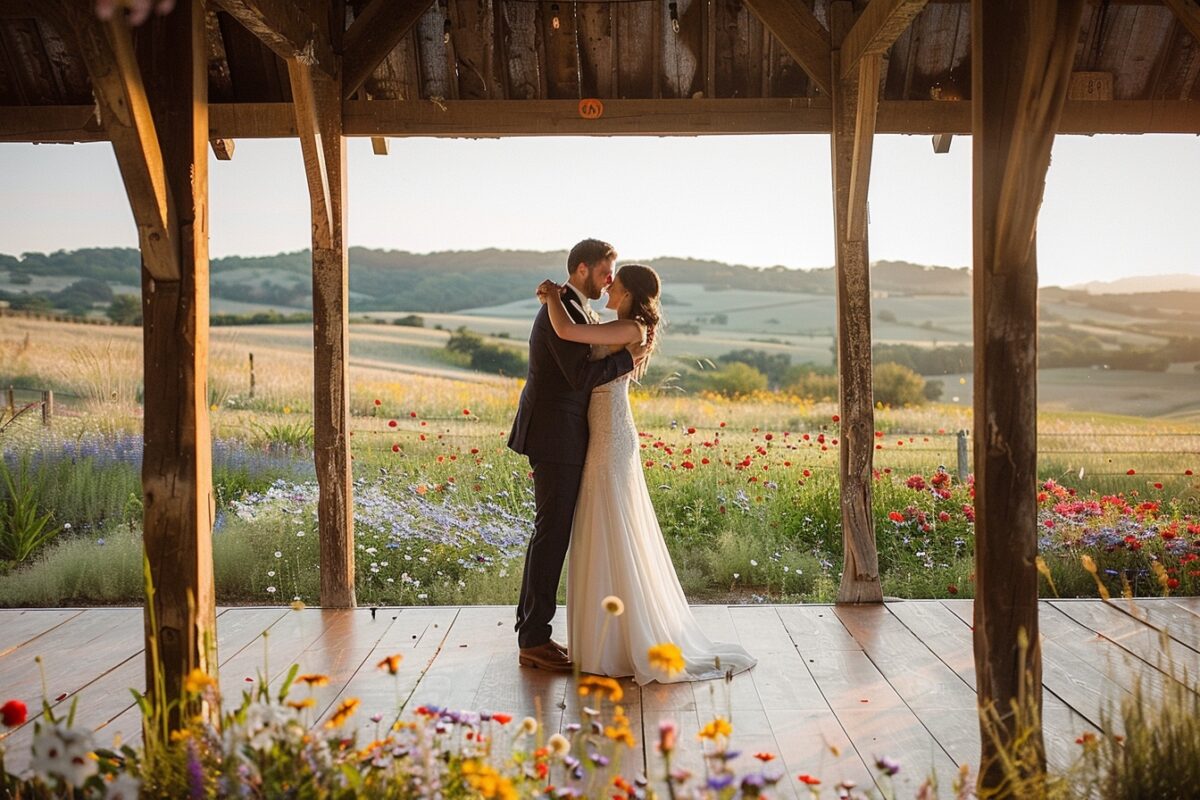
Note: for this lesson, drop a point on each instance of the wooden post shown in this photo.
(177, 465)
(12, 402)
(318, 106)
(252, 376)
(159, 132)
(47, 408)
(854, 101)
(1022, 51)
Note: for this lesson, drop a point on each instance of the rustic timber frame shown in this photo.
(214, 71)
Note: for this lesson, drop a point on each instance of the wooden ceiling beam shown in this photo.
(222, 149)
(800, 33)
(876, 29)
(124, 110)
(308, 126)
(375, 33)
(688, 117)
(1188, 13)
(290, 28)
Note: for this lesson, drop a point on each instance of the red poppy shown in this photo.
(1131, 472)
(503, 719)
(466, 412)
(691, 430)
(952, 589)
(895, 516)
(836, 418)
(688, 465)
(412, 414)
(808, 779)
(395, 448)
(14, 713)
(378, 402)
(392, 423)
(765, 757)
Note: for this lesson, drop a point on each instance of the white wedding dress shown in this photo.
(617, 548)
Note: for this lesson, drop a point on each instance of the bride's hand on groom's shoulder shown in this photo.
(546, 290)
(639, 350)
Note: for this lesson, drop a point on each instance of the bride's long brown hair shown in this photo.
(644, 289)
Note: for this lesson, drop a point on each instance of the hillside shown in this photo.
(394, 280)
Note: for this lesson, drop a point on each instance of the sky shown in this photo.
(1114, 206)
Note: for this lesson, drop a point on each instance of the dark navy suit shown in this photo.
(551, 428)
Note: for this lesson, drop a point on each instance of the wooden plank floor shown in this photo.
(835, 687)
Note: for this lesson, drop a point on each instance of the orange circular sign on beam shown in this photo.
(591, 108)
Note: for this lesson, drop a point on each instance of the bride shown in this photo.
(617, 547)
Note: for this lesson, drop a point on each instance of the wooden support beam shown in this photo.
(379, 145)
(853, 119)
(375, 33)
(178, 498)
(1188, 12)
(107, 52)
(687, 117)
(941, 142)
(291, 28)
(1022, 52)
(223, 149)
(864, 140)
(876, 29)
(800, 33)
(309, 129)
(331, 341)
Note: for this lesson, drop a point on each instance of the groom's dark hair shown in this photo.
(589, 251)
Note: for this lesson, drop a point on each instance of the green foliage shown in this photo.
(296, 434)
(486, 357)
(23, 526)
(776, 366)
(410, 321)
(268, 317)
(734, 379)
(898, 386)
(813, 384)
(125, 309)
(933, 390)
(945, 360)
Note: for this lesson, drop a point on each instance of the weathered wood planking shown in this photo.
(22, 626)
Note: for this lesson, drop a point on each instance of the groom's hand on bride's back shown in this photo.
(639, 351)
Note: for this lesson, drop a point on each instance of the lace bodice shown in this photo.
(611, 430)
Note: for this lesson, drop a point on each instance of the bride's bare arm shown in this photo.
(618, 332)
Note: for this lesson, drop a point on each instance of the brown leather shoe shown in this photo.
(562, 648)
(545, 656)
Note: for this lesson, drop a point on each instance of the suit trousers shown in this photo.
(555, 492)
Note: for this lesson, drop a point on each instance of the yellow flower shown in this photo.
(487, 782)
(590, 682)
(614, 605)
(391, 663)
(197, 681)
(298, 605)
(287, 409)
(718, 727)
(344, 710)
(213, 407)
(313, 679)
(307, 702)
(666, 657)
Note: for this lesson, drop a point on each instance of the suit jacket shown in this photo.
(551, 423)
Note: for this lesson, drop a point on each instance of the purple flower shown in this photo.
(887, 765)
(720, 781)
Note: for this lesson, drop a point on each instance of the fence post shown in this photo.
(252, 376)
(47, 408)
(12, 402)
(962, 457)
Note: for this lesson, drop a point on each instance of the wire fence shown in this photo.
(955, 447)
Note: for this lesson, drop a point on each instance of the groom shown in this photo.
(551, 428)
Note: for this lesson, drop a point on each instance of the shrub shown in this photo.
(896, 385)
(410, 321)
(125, 309)
(735, 380)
